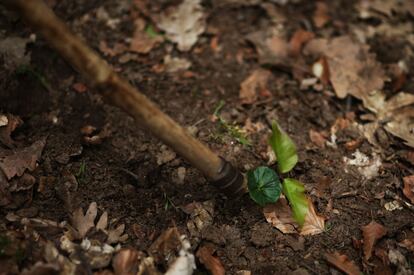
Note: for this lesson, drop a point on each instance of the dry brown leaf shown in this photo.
(184, 23)
(314, 224)
(8, 125)
(298, 40)
(83, 223)
(318, 138)
(343, 263)
(372, 232)
(279, 215)
(272, 47)
(398, 111)
(353, 69)
(321, 14)
(254, 84)
(409, 187)
(125, 262)
(212, 263)
(141, 42)
(22, 159)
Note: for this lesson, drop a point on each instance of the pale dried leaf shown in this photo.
(353, 69)
(314, 224)
(372, 232)
(254, 84)
(402, 125)
(343, 263)
(409, 187)
(102, 223)
(184, 23)
(115, 235)
(176, 64)
(3, 120)
(83, 223)
(279, 215)
(272, 47)
(22, 159)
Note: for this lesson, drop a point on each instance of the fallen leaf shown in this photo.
(141, 41)
(272, 47)
(353, 69)
(396, 111)
(298, 40)
(117, 49)
(321, 15)
(183, 24)
(201, 216)
(165, 155)
(8, 124)
(372, 233)
(318, 138)
(125, 262)
(212, 263)
(22, 159)
(116, 235)
(176, 64)
(83, 223)
(409, 187)
(343, 263)
(254, 84)
(314, 224)
(279, 215)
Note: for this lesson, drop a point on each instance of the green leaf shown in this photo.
(295, 193)
(151, 32)
(264, 185)
(284, 148)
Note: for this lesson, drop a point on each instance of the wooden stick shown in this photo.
(119, 92)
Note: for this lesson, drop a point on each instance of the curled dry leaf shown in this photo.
(253, 85)
(314, 224)
(279, 215)
(409, 187)
(372, 232)
(298, 40)
(212, 263)
(125, 262)
(343, 263)
(22, 159)
(184, 23)
(353, 69)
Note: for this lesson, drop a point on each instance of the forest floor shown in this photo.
(325, 70)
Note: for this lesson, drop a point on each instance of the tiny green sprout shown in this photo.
(150, 31)
(232, 130)
(80, 175)
(168, 202)
(28, 70)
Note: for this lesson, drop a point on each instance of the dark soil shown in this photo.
(122, 174)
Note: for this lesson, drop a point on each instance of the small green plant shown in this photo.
(32, 72)
(232, 130)
(265, 184)
(151, 32)
(80, 175)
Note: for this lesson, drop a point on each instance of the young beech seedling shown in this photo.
(265, 184)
